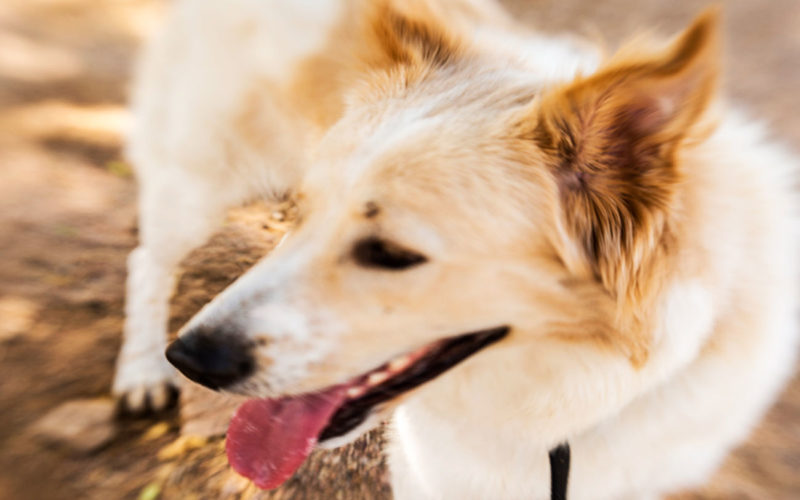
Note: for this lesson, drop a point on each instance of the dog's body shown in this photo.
(651, 311)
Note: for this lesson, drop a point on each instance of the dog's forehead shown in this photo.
(447, 117)
(407, 147)
(459, 185)
(401, 161)
(450, 154)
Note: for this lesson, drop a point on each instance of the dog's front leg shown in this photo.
(144, 379)
(174, 218)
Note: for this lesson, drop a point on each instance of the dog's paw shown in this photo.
(145, 400)
(145, 386)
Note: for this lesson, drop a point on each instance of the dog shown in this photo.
(505, 241)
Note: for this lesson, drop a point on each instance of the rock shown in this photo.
(82, 426)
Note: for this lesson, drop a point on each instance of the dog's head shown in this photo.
(458, 219)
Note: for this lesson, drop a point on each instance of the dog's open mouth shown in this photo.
(268, 439)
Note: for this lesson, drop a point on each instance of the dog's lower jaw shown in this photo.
(432, 455)
(430, 460)
(485, 431)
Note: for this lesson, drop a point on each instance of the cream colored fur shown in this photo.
(221, 117)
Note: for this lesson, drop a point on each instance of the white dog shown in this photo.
(504, 243)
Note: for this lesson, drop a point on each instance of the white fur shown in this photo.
(482, 430)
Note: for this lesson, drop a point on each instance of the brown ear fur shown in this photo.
(611, 141)
(409, 34)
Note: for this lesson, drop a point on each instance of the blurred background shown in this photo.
(67, 220)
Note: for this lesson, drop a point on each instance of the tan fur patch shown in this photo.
(611, 142)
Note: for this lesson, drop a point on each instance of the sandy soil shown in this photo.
(67, 217)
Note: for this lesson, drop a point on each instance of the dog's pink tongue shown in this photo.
(268, 439)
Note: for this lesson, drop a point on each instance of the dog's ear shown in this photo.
(410, 34)
(611, 141)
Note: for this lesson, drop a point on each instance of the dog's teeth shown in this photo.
(399, 364)
(355, 392)
(377, 378)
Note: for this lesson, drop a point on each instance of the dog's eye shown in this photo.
(375, 252)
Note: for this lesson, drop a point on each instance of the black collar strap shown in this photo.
(559, 471)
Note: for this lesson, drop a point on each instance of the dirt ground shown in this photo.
(67, 220)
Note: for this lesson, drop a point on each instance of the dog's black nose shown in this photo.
(215, 359)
